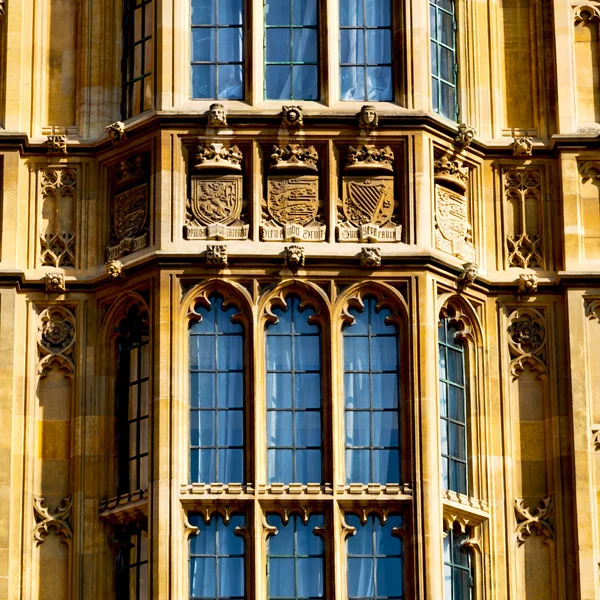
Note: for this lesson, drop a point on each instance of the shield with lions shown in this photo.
(131, 212)
(217, 199)
(293, 200)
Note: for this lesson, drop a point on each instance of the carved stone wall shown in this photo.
(587, 62)
(58, 188)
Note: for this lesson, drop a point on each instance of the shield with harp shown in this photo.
(368, 200)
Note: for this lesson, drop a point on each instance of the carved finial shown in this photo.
(465, 135)
(293, 257)
(217, 117)
(469, 274)
(523, 146)
(57, 144)
(370, 157)
(216, 255)
(528, 283)
(114, 268)
(55, 283)
(368, 118)
(116, 132)
(370, 257)
(294, 156)
(292, 117)
(451, 172)
(218, 156)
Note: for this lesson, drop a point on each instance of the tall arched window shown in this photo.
(372, 396)
(216, 395)
(453, 408)
(294, 428)
(133, 395)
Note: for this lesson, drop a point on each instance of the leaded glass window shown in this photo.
(216, 395)
(217, 49)
(371, 390)
(217, 559)
(294, 431)
(375, 559)
(295, 558)
(292, 50)
(138, 24)
(133, 392)
(132, 563)
(443, 58)
(453, 409)
(366, 50)
(458, 583)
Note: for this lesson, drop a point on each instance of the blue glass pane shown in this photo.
(447, 581)
(379, 83)
(442, 331)
(208, 465)
(462, 585)
(352, 46)
(442, 363)
(203, 81)
(224, 323)
(379, 46)
(279, 353)
(385, 429)
(229, 542)
(385, 390)
(284, 319)
(279, 390)
(385, 542)
(202, 352)
(461, 556)
(456, 403)
(384, 353)
(457, 440)
(279, 428)
(453, 339)
(304, 45)
(358, 428)
(356, 353)
(448, 548)
(230, 82)
(231, 577)
(356, 387)
(202, 577)
(202, 390)
(277, 12)
(203, 44)
(308, 428)
(231, 428)
(281, 578)
(206, 428)
(310, 577)
(301, 322)
(308, 353)
(444, 437)
(353, 83)
(443, 399)
(278, 45)
(204, 541)
(387, 466)
(389, 577)
(231, 390)
(230, 46)
(379, 325)
(308, 466)
(354, 521)
(446, 28)
(455, 366)
(280, 465)
(446, 71)
(351, 13)
(361, 577)
(378, 13)
(230, 13)
(203, 12)
(448, 101)
(357, 466)
(458, 477)
(195, 427)
(231, 353)
(206, 324)
(308, 390)
(306, 82)
(195, 465)
(305, 12)
(435, 94)
(361, 323)
(282, 543)
(445, 473)
(308, 543)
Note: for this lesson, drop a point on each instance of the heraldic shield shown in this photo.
(217, 200)
(368, 200)
(131, 212)
(293, 200)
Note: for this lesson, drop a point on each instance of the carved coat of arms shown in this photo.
(368, 200)
(293, 200)
(217, 200)
(131, 212)
(453, 231)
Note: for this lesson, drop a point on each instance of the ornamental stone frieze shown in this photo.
(292, 210)
(215, 209)
(130, 210)
(453, 233)
(367, 209)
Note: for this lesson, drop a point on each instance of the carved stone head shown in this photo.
(291, 116)
(469, 274)
(217, 117)
(370, 257)
(465, 135)
(116, 132)
(294, 256)
(114, 268)
(523, 146)
(368, 117)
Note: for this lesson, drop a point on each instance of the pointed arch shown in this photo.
(463, 317)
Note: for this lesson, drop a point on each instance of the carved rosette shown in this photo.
(47, 519)
(216, 207)
(527, 341)
(537, 522)
(57, 144)
(293, 210)
(59, 205)
(129, 225)
(367, 208)
(56, 340)
(216, 255)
